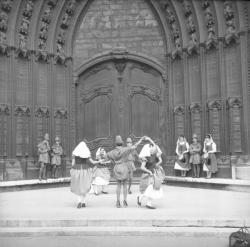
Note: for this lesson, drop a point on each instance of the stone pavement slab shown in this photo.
(180, 206)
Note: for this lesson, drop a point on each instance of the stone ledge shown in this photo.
(114, 231)
(219, 181)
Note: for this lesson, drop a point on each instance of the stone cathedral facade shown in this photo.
(96, 68)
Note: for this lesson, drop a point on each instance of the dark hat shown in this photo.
(118, 140)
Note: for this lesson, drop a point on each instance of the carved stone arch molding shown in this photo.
(122, 54)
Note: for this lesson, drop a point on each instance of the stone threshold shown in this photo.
(120, 231)
(169, 179)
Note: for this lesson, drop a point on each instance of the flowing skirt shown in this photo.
(147, 187)
(210, 163)
(101, 176)
(183, 164)
(81, 180)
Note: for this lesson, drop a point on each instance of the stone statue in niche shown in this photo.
(193, 44)
(65, 21)
(228, 11)
(71, 7)
(52, 3)
(231, 33)
(6, 5)
(41, 54)
(24, 26)
(47, 15)
(170, 15)
(190, 24)
(60, 57)
(187, 8)
(43, 31)
(3, 21)
(28, 9)
(61, 37)
(22, 50)
(3, 44)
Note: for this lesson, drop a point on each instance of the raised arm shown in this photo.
(138, 143)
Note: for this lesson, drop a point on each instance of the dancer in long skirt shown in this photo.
(56, 160)
(131, 163)
(101, 174)
(81, 172)
(209, 158)
(195, 157)
(44, 156)
(152, 176)
(119, 156)
(182, 162)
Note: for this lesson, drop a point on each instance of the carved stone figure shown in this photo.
(24, 26)
(52, 3)
(3, 44)
(228, 11)
(6, 5)
(65, 21)
(3, 21)
(190, 24)
(71, 7)
(47, 15)
(61, 37)
(187, 8)
(28, 9)
(44, 31)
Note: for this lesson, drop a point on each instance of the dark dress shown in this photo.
(146, 179)
(81, 176)
(210, 161)
(195, 149)
(182, 164)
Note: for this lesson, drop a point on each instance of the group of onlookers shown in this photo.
(194, 157)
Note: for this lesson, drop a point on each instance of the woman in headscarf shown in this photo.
(81, 172)
(209, 158)
(119, 156)
(153, 174)
(182, 162)
(195, 157)
(101, 174)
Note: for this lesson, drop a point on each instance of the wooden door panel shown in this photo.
(144, 116)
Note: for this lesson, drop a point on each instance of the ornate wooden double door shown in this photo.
(119, 97)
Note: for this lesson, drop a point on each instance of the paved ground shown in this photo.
(187, 216)
(178, 203)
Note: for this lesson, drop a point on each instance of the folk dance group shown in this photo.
(189, 156)
(87, 172)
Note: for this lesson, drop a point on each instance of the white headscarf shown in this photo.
(98, 153)
(145, 152)
(81, 150)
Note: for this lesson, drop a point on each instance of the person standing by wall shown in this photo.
(195, 156)
(182, 162)
(44, 157)
(209, 159)
(56, 160)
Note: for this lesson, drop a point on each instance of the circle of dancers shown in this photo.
(88, 174)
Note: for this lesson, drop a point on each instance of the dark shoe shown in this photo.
(150, 207)
(125, 204)
(83, 205)
(79, 205)
(118, 205)
(96, 194)
(40, 179)
(104, 192)
(138, 201)
(130, 192)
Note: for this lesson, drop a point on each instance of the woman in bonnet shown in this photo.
(101, 173)
(153, 174)
(209, 158)
(81, 172)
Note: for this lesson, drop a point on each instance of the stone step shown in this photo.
(168, 222)
(117, 231)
